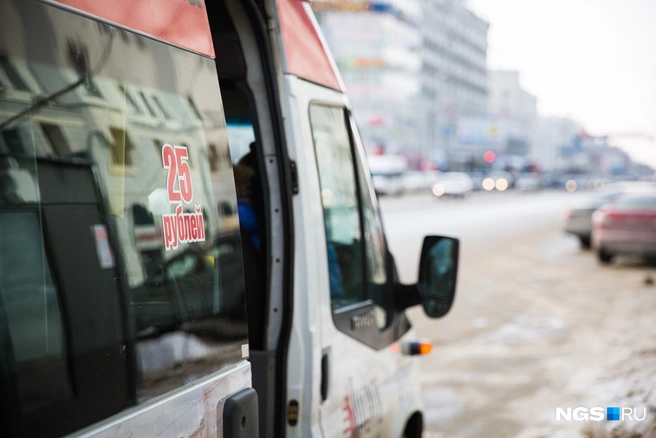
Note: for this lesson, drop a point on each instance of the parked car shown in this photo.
(550, 180)
(430, 178)
(528, 182)
(388, 183)
(388, 174)
(502, 180)
(457, 184)
(414, 180)
(578, 219)
(625, 226)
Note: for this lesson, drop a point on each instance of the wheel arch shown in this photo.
(414, 426)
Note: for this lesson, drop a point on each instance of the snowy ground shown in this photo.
(537, 324)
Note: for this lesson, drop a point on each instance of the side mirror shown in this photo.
(438, 270)
(436, 286)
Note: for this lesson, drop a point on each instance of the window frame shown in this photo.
(363, 175)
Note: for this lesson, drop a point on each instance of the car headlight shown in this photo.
(438, 190)
(501, 184)
(488, 184)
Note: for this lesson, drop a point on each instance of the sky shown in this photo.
(591, 60)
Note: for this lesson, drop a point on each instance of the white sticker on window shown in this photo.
(244, 351)
(104, 250)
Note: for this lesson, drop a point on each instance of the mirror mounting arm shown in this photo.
(408, 295)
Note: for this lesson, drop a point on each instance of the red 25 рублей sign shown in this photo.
(180, 227)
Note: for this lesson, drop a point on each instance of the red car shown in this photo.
(626, 226)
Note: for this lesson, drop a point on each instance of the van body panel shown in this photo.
(182, 23)
(370, 391)
(306, 51)
(304, 371)
(195, 410)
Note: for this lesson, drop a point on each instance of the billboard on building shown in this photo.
(481, 132)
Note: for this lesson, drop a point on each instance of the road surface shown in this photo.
(537, 323)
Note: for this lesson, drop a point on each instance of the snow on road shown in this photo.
(537, 323)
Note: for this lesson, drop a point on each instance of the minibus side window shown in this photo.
(340, 205)
(121, 275)
(354, 233)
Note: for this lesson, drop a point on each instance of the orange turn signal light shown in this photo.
(416, 348)
(425, 348)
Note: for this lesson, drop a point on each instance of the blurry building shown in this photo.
(553, 133)
(513, 105)
(508, 128)
(508, 98)
(454, 70)
(593, 156)
(377, 48)
(505, 136)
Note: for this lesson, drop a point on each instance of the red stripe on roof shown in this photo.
(306, 53)
(180, 22)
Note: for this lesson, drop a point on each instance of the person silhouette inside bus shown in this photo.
(334, 270)
(250, 225)
(244, 173)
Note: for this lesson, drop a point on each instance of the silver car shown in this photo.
(457, 184)
(578, 219)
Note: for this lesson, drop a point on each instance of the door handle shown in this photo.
(240, 415)
(325, 375)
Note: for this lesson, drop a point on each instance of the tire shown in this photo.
(415, 426)
(604, 257)
(585, 242)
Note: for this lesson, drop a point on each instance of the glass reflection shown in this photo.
(440, 276)
(83, 120)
